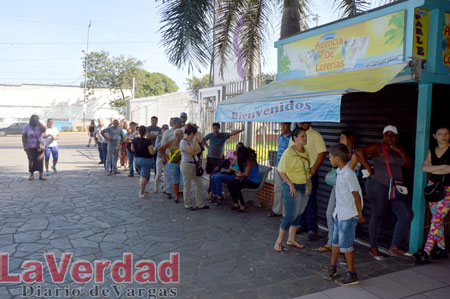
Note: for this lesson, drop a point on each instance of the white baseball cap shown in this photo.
(391, 128)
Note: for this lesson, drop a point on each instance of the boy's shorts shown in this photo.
(344, 234)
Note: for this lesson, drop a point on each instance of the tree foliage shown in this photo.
(153, 84)
(196, 83)
(117, 73)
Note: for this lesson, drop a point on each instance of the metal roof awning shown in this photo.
(306, 99)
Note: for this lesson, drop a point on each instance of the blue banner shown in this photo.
(321, 108)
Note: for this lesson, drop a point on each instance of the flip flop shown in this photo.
(324, 248)
(278, 247)
(292, 244)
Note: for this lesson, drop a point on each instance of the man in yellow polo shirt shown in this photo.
(317, 152)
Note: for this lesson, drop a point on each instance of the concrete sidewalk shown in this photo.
(430, 281)
(223, 254)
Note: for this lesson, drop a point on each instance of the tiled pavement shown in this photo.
(223, 254)
(430, 281)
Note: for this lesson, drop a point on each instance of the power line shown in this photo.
(80, 43)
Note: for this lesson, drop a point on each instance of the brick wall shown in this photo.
(266, 196)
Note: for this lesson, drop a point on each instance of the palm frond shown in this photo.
(187, 32)
(253, 34)
(350, 7)
(228, 16)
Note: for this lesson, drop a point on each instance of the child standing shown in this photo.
(347, 214)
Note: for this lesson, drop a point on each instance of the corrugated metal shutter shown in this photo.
(366, 114)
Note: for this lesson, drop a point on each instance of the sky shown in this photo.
(41, 42)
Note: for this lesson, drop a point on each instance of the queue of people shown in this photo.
(177, 151)
(295, 190)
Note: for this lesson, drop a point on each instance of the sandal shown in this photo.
(393, 251)
(295, 244)
(376, 254)
(218, 202)
(235, 208)
(31, 177)
(324, 248)
(278, 247)
(42, 178)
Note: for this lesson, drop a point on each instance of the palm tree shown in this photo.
(194, 31)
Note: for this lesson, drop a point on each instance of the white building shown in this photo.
(63, 103)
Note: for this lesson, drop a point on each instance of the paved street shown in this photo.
(223, 254)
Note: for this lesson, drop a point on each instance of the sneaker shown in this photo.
(348, 280)
(54, 169)
(331, 274)
(421, 257)
(191, 209)
(205, 207)
(131, 175)
(107, 173)
(47, 173)
(100, 162)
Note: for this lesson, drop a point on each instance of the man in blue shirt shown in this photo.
(216, 147)
(278, 208)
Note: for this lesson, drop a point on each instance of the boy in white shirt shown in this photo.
(347, 214)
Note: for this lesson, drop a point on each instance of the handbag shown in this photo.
(330, 177)
(397, 190)
(198, 168)
(435, 192)
(40, 145)
(308, 189)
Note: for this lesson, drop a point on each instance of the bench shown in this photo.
(250, 194)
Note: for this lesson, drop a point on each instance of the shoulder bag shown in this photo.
(198, 168)
(308, 188)
(397, 190)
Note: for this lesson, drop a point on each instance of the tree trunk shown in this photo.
(290, 22)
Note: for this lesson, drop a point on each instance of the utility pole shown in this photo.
(85, 77)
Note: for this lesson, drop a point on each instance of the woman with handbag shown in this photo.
(190, 167)
(293, 168)
(437, 164)
(247, 176)
(33, 145)
(388, 158)
(349, 140)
